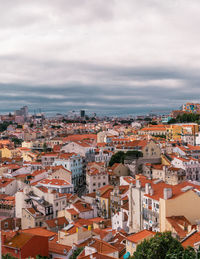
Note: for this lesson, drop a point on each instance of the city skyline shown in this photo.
(113, 58)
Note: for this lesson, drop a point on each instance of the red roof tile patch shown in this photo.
(39, 232)
(135, 238)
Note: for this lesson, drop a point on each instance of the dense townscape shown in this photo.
(79, 186)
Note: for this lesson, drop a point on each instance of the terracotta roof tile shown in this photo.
(137, 237)
(39, 232)
(19, 240)
(52, 223)
(191, 240)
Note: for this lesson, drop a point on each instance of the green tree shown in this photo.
(76, 252)
(134, 153)
(45, 148)
(164, 246)
(117, 158)
(161, 246)
(17, 141)
(120, 156)
(172, 121)
(8, 256)
(186, 117)
(4, 125)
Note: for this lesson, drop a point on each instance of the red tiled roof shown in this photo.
(80, 137)
(67, 155)
(59, 182)
(52, 223)
(135, 238)
(19, 240)
(73, 212)
(159, 187)
(39, 232)
(97, 220)
(5, 181)
(103, 247)
(82, 206)
(33, 212)
(49, 154)
(37, 172)
(179, 223)
(58, 248)
(158, 167)
(191, 240)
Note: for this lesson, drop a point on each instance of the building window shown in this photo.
(6, 225)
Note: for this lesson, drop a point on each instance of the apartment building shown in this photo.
(31, 218)
(96, 177)
(151, 202)
(73, 163)
(190, 165)
(48, 159)
(57, 185)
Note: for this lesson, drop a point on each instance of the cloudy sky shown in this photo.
(107, 56)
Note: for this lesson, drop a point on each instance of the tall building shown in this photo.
(22, 112)
(82, 113)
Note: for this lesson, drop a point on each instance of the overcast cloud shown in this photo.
(107, 56)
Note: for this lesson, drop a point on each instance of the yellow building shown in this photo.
(9, 153)
(31, 218)
(161, 201)
(74, 235)
(175, 131)
(185, 203)
(133, 240)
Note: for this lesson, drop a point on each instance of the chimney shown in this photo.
(167, 193)
(151, 191)
(138, 184)
(147, 187)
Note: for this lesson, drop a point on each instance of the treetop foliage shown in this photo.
(164, 246)
(120, 156)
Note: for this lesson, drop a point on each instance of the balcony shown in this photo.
(149, 214)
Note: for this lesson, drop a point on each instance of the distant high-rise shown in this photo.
(22, 112)
(82, 113)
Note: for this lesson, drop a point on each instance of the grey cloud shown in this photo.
(118, 56)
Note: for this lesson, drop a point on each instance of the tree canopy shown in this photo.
(164, 246)
(120, 156)
(76, 253)
(186, 117)
(4, 125)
